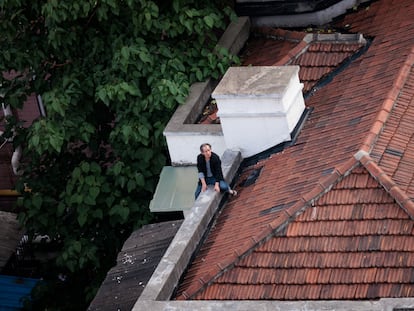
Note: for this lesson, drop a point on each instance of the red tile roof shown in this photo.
(274, 45)
(317, 59)
(330, 217)
(355, 247)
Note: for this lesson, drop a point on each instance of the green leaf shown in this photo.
(77, 246)
(121, 211)
(94, 192)
(98, 214)
(118, 167)
(82, 217)
(89, 200)
(85, 167)
(176, 6)
(199, 75)
(95, 168)
(102, 95)
(56, 142)
(35, 141)
(76, 173)
(60, 210)
(131, 185)
(90, 180)
(140, 180)
(109, 201)
(144, 57)
(209, 21)
(37, 201)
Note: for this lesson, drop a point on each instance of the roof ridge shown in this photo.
(391, 187)
(388, 104)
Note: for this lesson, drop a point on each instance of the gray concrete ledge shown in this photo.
(185, 116)
(336, 37)
(236, 35)
(385, 304)
(177, 257)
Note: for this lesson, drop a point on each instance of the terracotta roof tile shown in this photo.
(316, 59)
(329, 217)
(369, 253)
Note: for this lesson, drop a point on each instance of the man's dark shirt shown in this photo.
(215, 165)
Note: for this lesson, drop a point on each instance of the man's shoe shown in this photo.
(233, 192)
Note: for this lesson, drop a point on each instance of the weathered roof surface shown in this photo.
(10, 236)
(346, 246)
(274, 45)
(136, 262)
(342, 191)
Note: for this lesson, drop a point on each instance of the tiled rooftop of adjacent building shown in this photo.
(330, 217)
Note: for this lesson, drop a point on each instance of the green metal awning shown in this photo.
(175, 189)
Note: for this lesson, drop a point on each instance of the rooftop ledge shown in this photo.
(183, 135)
(400, 304)
(178, 255)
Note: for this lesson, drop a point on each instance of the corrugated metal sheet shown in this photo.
(12, 291)
(136, 262)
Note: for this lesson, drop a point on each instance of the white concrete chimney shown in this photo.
(259, 106)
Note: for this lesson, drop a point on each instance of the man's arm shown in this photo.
(201, 176)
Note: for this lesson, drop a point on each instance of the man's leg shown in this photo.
(209, 181)
(198, 190)
(224, 187)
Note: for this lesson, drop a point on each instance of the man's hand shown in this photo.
(217, 187)
(203, 185)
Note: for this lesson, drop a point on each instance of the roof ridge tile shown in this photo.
(388, 104)
(392, 188)
(294, 52)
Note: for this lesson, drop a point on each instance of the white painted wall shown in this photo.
(184, 149)
(259, 106)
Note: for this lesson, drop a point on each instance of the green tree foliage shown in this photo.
(110, 74)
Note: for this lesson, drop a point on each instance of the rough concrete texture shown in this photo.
(255, 81)
(235, 35)
(386, 304)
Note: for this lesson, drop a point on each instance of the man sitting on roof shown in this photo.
(210, 172)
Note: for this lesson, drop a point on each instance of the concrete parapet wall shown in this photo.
(385, 304)
(182, 133)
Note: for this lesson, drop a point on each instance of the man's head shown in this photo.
(205, 150)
